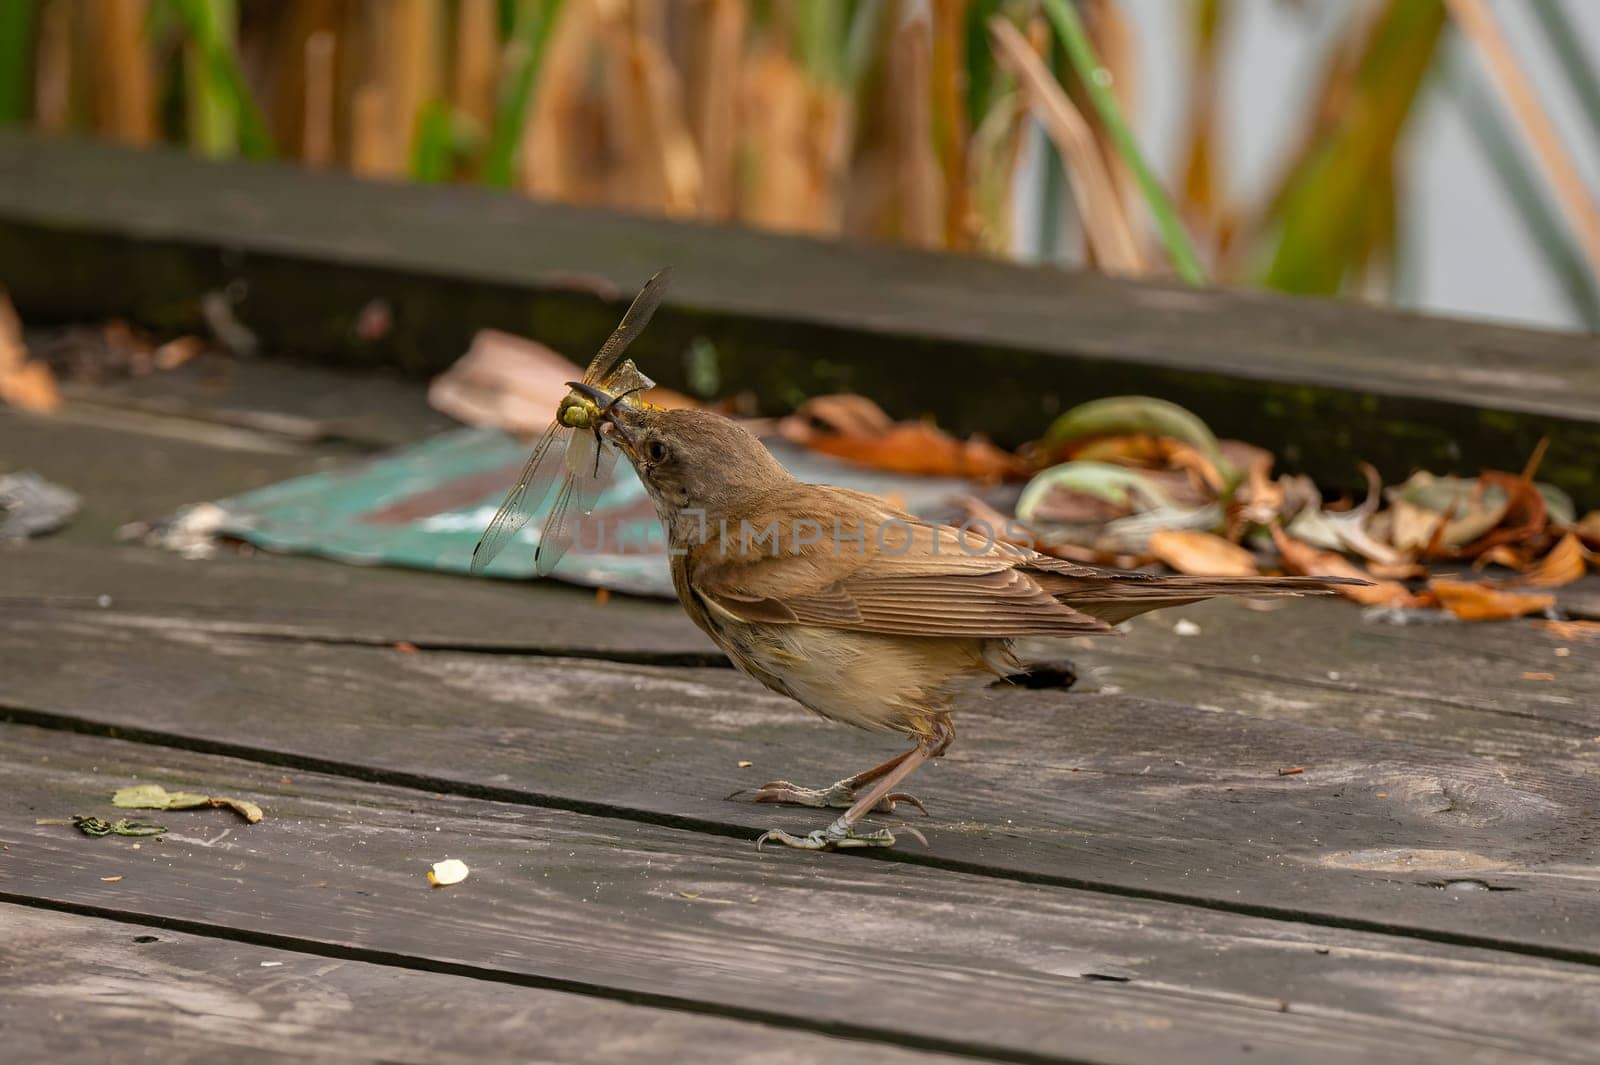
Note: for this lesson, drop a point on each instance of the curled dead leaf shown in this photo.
(1564, 563)
(509, 382)
(1430, 513)
(24, 384)
(1588, 529)
(1124, 415)
(1306, 561)
(857, 430)
(1525, 516)
(1508, 555)
(1202, 554)
(1261, 499)
(1398, 571)
(1482, 602)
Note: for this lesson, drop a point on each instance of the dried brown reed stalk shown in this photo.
(1105, 224)
(476, 61)
(713, 92)
(123, 72)
(561, 149)
(1580, 206)
(54, 67)
(774, 185)
(950, 118)
(316, 136)
(919, 184)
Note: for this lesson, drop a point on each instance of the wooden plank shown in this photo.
(1457, 687)
(90, 990)
(308, 598)
(88, 230)
(362, 411)
(1497, 690)
(880, 952)
(141, 468)
(1106, 791)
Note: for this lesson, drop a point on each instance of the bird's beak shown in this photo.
(609, 408)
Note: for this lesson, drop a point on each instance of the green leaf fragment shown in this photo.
(99, 826)
(155, 797)
(1118, 485)
(1122, 415)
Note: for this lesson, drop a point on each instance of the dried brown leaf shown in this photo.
(1306, 561)
(24, 384)
(1572, 630)
(1588, 529)
(174, 353)
(1482, 602)
(1566, 562)
(1512, 558)
(856, 429)
(512, 383)
(1398, 571)
(1201, 554)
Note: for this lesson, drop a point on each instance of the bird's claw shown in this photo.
(837, 796)
(835, 837)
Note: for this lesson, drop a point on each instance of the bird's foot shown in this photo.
(835, 837)
(839, 795)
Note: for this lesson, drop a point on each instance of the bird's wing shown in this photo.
(918, 580)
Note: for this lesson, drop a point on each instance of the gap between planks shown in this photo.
(522, 797)
(421, 963)
(198, 998)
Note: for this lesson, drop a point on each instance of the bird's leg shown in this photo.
(841, 794)
(842, 832)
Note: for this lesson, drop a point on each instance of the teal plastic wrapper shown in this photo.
(425, 506)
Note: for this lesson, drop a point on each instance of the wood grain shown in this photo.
(90, 990)
(1447, 685)
(1110, 791)
(870, 950)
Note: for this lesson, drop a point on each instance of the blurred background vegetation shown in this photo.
(1000, 127)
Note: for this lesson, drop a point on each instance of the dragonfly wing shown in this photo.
(538, 475)
(590, 464)
(626, 380)
(588, 484)
(556, 536)
(639, 312)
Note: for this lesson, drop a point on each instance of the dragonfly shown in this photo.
(572, 449)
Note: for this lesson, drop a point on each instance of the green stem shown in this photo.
(1097, 81)
(213, 125)
(529, 33)
(203, 20)
(16, 55)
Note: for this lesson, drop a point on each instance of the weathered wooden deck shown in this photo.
(1116, 872)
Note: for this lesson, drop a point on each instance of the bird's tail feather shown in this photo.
(1113, 600)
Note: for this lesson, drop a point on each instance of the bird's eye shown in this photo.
(656, 451)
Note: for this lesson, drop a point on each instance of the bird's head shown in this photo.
(689, 459)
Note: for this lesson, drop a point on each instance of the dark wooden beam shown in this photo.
(88, 230)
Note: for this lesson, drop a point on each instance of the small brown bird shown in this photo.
(859, 612)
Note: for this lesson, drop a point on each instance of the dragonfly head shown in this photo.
(586, 407)
(579, 411)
